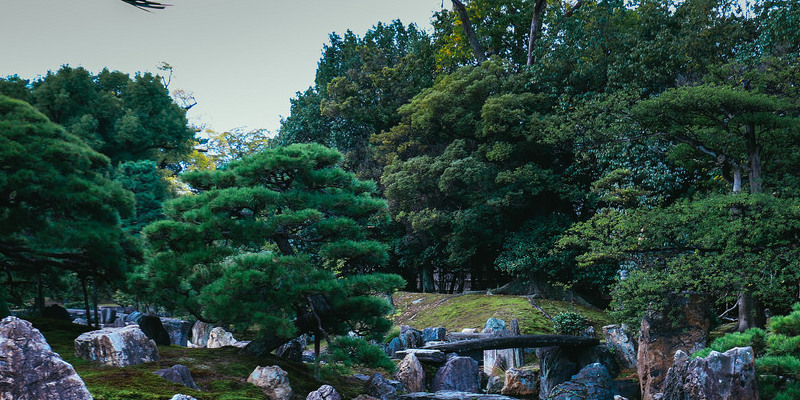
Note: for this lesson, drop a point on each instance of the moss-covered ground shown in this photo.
(456, 312)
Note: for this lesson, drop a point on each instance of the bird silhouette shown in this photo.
(146, 5)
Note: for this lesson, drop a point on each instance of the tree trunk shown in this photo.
(283, 245)
(737, 178)
(469, 31)
(747, 317)
(428, 285)
(86, 302)
(39, 302)
(94, 295)
(753, 159)
(536, 27)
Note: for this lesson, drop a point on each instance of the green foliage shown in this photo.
(753, 337)
(787, 325)
(569, 323)
(349, 351)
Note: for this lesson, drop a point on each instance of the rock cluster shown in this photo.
(117, 347)
(718, 376)
(30, 370)
(325, 392)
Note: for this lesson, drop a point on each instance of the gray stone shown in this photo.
(718, 376)
(31, 370)
(220, 338)
(556, 366)
(55, 311)
(178, 374)
(152, 327)
(411, 338)
(424, 355)
(117, 347)
(273, 381)
(325, 392)
(80, 321)
(291, 350)
(394, 346)
(454, 395)
(437, 334)
(458, 374)
(411, 374)
(619, 340)
(592, 382)
(133, 317)
(200, 333)
(182, 397)
(178, 330)
(494, 325)
(503, 359)
(494, 384)
(108, 315)
(379, 387)
(469, 330)
(521, 383)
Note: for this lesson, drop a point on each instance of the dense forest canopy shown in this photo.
(619, 149)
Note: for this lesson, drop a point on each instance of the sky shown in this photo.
(242, 59)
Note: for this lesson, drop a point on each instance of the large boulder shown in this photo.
(273, 381)
(291, 350)
(411, 374)
(117, 347)
(220, 338)
(683, 325)
(182, 397)
(381, 388)
(424, 355)
(437, 334)
(152, 327)
(592, 382)
(394, 346)
(459, 374)
(178, 330)
(178, 374)
(30, 370)
(556, 365)
(325, 392)
(200, 333)
(502, 359)
(521, 383)
(718, 376)
(620, 341)
(494, 325)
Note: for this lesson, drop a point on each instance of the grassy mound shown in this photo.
(456, 312)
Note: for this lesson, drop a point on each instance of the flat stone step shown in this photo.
(452, 395)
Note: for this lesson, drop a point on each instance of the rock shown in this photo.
(618, 339)
(31, 370)
(55, 311)
(503, 359)
(80, 321)
(412, 339)
(200, 333)
(394, 346)
(453, 395)
(152, 327)
(117, 347)
(592, 382)
(273, 381)
(364, 397)
(437, 334)
(178, 331)
(469, 330)
(684, 326)
(325, 392)
(178, 374)
(718, 376)
(458, 374)
(494, 384)
(291, 350)
(133, 317)
(494, 325)
(220, 338)
(627, 389)
(556, 366)
(521, 383)
(379, 387)
(308, 357)
(182, 397)
(424, 355)
(598, 354)
(411, 374)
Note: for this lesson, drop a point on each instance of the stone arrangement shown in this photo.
(116, 347)
(273, 381)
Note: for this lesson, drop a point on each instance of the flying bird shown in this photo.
(145, 4)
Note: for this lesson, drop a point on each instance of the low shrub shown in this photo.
(570, 323)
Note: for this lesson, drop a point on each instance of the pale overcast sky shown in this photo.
(242, 59)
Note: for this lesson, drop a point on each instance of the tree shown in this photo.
(146, 5)
(59, 213)
(278, 242)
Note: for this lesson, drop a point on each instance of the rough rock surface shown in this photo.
(453, 395)
(394, 346)
(178, 374)
(273, 381)
(592, 382)
(556, 366)
(719, 376)
(200, 332)
(618, 338)
(364, 397)
(291, 350)
(178, 330)
(494, 384)
(521, 383)
(379, 387)
(182, 397)
(411, 374)
(424, 355)
(30, 369)
(458, 374)
(152, 327)
(434, 334)
(116, 347)
(684, 326)
(494, 325)
(325, 392)
(220, 338)
(503, 359)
